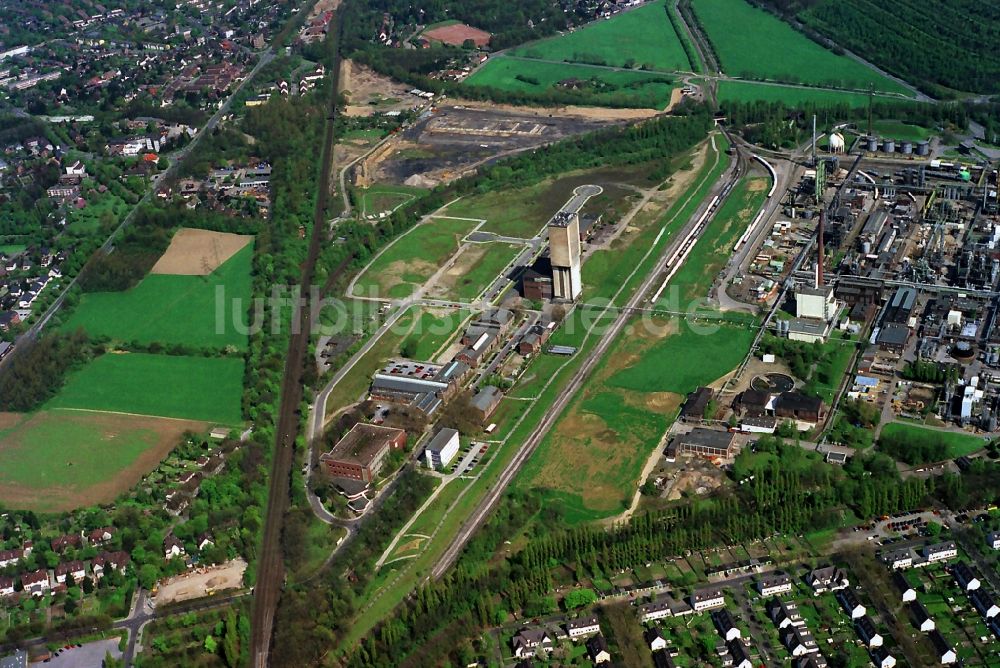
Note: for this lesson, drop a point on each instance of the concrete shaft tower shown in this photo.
(564, 249)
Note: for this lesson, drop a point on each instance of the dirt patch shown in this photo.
(589, 113)
(199, 252)
(676, 96)
(60, 496)
(757, 185)
(394, 273)
(467, 258)
(369, 92)
(663, 402)
(201, 582)
(457, 33)
(410, 546)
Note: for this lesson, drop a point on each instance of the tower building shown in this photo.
(564, 249)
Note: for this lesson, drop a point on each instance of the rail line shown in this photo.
(752, 228)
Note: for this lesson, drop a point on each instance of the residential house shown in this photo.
(585, 626)
(75, 568)
(530, 641)
(597, 648)
(205, 540)
(708, 598)
(940, 551)
(37, 582)
(921, 618)
(774, 584)
(812, 661)
(10, 557)
(906, 592)
(726, 625)
(109, 560)
(662, 659)
(993, 540)
(740, 654)
(784, 615)
(945, 653)
(100, 536)
(62, 543)
(6, 586)
(655, 639)
(868, 633)
(653, 611)
(851, 604)
(899, 559)
(799, 641)
(966, 577)
(882, 659)
(172, 547)
(828, 578)
(985, 603)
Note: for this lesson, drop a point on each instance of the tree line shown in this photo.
(35, 374)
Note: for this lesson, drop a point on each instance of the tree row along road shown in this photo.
(489, 501)
(270, 566)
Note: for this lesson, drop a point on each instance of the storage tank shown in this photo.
(837, 143)
(866, 247)
(906, 147)
(872, 144)
(889, 146)
(924, 148)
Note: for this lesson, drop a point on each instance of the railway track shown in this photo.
(270, 565)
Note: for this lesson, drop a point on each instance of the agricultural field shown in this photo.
(172, 309)
(57, 460)
(642, 37)
(385, 198)
(193, 388)
(593, 85)
(751, 43)
(414, 257)
(475, 269)
(749, 91)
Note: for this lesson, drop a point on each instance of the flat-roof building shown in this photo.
(359, 455)
(707, 442)
(441, 449)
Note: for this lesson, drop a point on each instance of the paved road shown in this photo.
(482, 511)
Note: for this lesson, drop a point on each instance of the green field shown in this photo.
(957, 444)
(752, 43)
(195, 388)
(518, 213)
(412, 259)
(12, 249)
(487, 261)
(901, 131)
(172, 309)
(748, 91)
(601, 86)
(432, 330)
(641, 37)
(382, 198)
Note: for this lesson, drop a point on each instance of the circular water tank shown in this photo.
(906, 147)
(836, 143)
(965, 175)
(872, 144)
(964, 352)
(866, 247)
(889, 146)
(924, 148)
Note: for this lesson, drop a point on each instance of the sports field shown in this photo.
(173, 309)
(748, 91)
(412, 259)
(194, 388)
(752, 43)
(642, 37)
(55, 460)
(593, 85)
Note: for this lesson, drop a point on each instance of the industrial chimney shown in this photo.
(819, 249)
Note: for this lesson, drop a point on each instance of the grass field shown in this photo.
(194, 388)
(386, 197)
(412, 259)
(957, 444)
(901, 131)
(753, 43)
(641, 37)
(747, 91)
(433, 329)
(12, 249)
(605, 88)
(54, 460)
(172, 309)
(477, 267)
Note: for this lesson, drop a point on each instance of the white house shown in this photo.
(984, 603)
(940, 551)
(945, 653)
(774, 584)
(10, 557)
(898, 559)
(76, 169)
(739, 653)
(921, 618)
(868, 633)
(852, 605)
(653, 611)
(798, 641)
(205, 540)
(906, 592)
(655, 639)
(6, 586)
(597, 647)
(37, 582)
(828, 578)
(882, 658)
(993, 539)
(706, 599)
(585, 626)
(172, 547)
(966, 577)
(528, 642)
(784, 614)
(74, 568)
(726, 625)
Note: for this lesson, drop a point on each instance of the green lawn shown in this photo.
(196, 388)
(12, 249)
(747, 91)
(752, 43)
(384, 197)
(957, 444)
(433, 329)
(102, 211)
(602, 87)
(513, 213)
(901, 131)
(486, 269)
(642, 37)
(173, 309)
(412, 259)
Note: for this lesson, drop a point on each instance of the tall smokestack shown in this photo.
(814, 141)
(819, 249)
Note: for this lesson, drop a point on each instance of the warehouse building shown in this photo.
(359, 455)
(705, 443)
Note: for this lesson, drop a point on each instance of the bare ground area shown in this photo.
(201, 582)
(369, 92)
(467, 258)
(66, 492)
(589, 113)
(199, 252)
